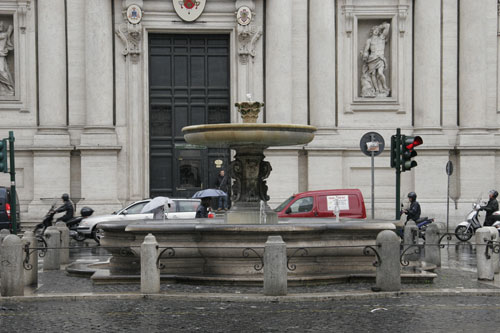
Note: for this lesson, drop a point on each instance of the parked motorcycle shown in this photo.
(467, 228)
(72, 224)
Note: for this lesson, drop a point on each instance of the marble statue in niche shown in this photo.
(6, 45)
(373, 80)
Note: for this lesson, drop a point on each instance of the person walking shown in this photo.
(222, 183)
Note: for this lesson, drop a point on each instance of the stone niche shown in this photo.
(7, 58)
(363, 35)
(361, 55)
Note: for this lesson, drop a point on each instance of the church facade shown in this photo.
(97, 92)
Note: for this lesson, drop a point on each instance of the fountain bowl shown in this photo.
(248, 134)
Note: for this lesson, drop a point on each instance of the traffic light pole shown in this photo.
(398, 173)
(13, 196)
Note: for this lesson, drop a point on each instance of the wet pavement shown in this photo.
(456, 301)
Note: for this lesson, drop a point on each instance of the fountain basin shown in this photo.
(209, 250)
(234, 135)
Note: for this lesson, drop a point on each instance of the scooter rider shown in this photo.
(413, 213)
(490, 208)
(66, 207)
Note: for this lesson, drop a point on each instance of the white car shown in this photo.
(180, 209)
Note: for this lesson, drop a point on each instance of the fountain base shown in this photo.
(250, 213)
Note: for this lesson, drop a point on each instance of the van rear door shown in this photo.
(350, 205)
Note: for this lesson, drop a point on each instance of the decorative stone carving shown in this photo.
(131, 36)
(373, 80)
(6, 45)
(249, 111)
(23, 7)
(249, 171)
(248, 35)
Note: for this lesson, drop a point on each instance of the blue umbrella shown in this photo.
(209, 192)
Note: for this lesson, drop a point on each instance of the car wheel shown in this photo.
(96, 235)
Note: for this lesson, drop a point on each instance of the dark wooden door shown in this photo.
(188, 85)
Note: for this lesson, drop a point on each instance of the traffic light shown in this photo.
(3, 156)
(408, 144)
(396, 151)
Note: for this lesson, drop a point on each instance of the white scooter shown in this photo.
(467, 228)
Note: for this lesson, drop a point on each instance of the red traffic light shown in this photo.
(417, 141)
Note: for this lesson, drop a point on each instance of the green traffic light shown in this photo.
(3, 156)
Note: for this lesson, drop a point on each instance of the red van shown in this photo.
(321, 204)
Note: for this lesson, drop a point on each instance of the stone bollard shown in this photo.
(495, 257)
(432, 249)
(150, 274)
(3, 233)
(64, 252)
(12, 280)
(389, 272)
(485, 267)
(411, 237)
(275, 270)
(51, 260)
(31, 275)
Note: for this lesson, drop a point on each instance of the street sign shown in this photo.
(372, 142)
(449, 168)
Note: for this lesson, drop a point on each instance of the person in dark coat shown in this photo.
(490, 208)
(66, 207)
(202, 210)
(222, 183)
(413, 213)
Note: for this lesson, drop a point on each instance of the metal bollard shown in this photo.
(389, 271)
(64, 252)
(51, 260)
(275, 269)
(12, 280)
(31, 275)
(411, 238)
(150, 274)
(432, 249)
(485, 267)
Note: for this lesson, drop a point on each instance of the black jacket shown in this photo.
(413, 211)
(68, 208)
(491, 207)
(222, 183)
(201, 212)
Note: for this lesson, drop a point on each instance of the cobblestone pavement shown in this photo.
(401, 314)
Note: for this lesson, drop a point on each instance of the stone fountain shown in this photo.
(248, 169)
(231, 250)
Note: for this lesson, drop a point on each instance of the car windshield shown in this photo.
(284, 204)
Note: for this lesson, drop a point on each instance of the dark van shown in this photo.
(321, 204)
(5, 209)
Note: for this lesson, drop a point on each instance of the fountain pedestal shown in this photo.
(249, 171)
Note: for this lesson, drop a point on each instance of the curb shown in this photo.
(251, 297)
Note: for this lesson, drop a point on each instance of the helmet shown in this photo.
(65, 197)
(412, 195)
(494, 193)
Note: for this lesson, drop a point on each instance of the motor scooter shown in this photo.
(422, 224)
(72, 224)
(467, 228)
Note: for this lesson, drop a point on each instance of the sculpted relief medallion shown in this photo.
(373, 79)
(189, 10)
